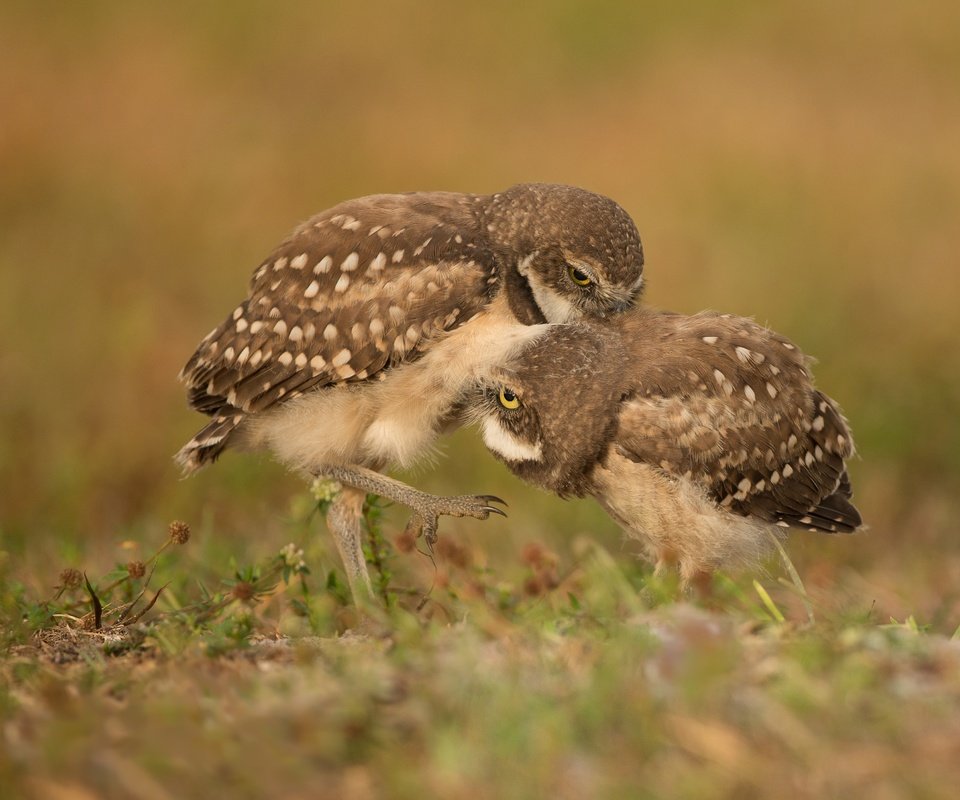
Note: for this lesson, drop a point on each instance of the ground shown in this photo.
(570, 677)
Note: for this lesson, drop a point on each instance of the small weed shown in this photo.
(221, 620)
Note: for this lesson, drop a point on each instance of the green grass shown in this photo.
(571, 677)
(793, 162)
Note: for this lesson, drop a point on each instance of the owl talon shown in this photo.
(424, 522)
(430, 534)
(495, 510)
(418, 526)
(477, 506)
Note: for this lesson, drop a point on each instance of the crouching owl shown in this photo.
(700, 435)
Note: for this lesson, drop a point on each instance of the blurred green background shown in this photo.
(799, 163)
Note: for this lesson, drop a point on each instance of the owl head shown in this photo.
(551, 415)
(578, 252)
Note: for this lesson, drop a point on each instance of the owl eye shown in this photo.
(508, 399)
(578, 276)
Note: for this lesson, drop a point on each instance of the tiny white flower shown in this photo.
(292, 556)
(324, 490)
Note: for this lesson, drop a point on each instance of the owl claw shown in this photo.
(424, 521)
(418, 526)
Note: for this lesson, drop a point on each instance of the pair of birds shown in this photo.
(387, 320)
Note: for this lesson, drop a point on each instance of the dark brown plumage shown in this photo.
(678, 425)
(363, 328)
(371, 282)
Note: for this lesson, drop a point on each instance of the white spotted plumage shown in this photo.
(364, 328)
(378, 306)
(657, 416)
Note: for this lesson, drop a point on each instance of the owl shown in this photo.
(700, 435)
(364, 329)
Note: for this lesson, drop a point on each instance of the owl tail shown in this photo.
(208, 444)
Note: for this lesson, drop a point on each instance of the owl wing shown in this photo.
(353, 291)
(734, 410)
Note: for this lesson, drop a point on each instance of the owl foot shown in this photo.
(425, 516)
(427, 508)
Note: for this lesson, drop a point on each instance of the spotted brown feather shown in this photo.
(346, 295)
(700, 434)
(369, 283)
(364, 329)
(730, 405)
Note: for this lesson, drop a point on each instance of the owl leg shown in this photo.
(667, 560)
(343, 520)
(701, 583)
(426, 508)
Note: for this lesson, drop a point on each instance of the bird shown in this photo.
(701, 435)
(365, 327)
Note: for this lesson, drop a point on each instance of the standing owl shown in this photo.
(365, 327)
(699, 434)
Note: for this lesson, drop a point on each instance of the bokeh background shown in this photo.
(799, 163)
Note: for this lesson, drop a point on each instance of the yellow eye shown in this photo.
(508, 399)
(578, 276)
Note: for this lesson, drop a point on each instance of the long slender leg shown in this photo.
(426, 507)
(343, 520)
